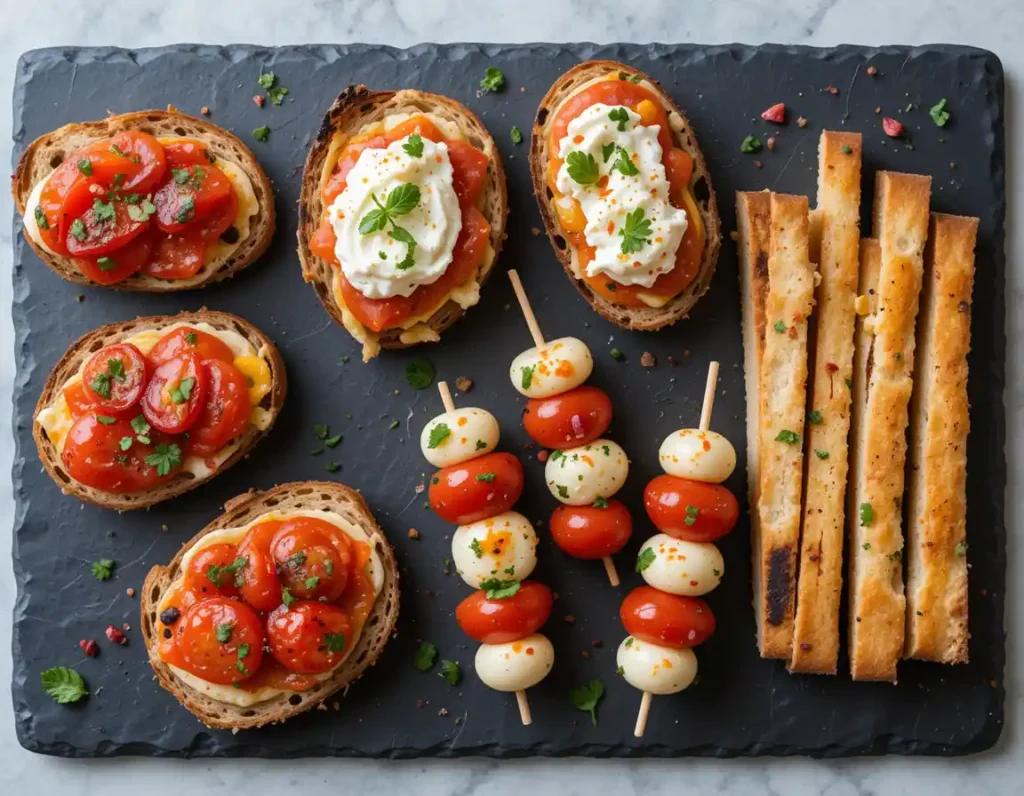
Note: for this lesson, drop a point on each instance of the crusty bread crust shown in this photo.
(940, 422)
(49, 151)
(816, 629)
(308, 495)
(783, 399)
(644, 318)
(753, 216)
(87, 345)
(877, 601)
(355, 108)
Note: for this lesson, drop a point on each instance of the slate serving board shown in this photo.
(741, 705)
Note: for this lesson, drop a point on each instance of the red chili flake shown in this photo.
(542, 456)
(597, 643)
(832, 90)
(116, 636)
(776, 113)
(130, 591)
(570, 619)
(892, 128)
(872, 70)
(259, 99)
(89, 647)
(126, 627)
(758, 164)
(831, 367)
(801, 122)
(584, 653)
(420, 703)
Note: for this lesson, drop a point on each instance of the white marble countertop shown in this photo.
(995, 25)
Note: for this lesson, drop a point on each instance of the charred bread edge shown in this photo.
(356, 106)
(877, 604)
(88, 344)
(378, 628)
(643, 318)
(47, 152)
(753, 216)
(819, 583)
(783, 401)
(937, 616)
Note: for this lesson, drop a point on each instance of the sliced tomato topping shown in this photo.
(313, 558)
(217, 639)
(469, 172)
(96, 222)
(225, 415)
(260, 587)
(118, 266)
(193, 193)
(215, 569)
(309, 637)
(175, 257)
(380, 314)
(144, 152)
(115, 377)
(611, 92)
(219, 220)
(323, 241)
(176, 394)
(95, 455)
(78, 398)
(184, 339)
(187, 150)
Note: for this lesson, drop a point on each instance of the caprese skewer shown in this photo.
(494, 549)
(583, 470)
(666, 618)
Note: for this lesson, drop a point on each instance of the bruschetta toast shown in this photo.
(625, 194)
(397, 256)
(139, 412)
(279, 603)
(151, 201)
(939, 424)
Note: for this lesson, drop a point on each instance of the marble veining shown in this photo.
(995, 25)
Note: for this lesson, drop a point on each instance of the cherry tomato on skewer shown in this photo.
(667, 619)
(477, 489)
(569, 419)
(499, 621)
(690, 510)
(591, 532)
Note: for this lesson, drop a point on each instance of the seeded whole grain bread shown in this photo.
(302, 495)
(355, 108)
(49, 151)
(181, 482)
(643, 318)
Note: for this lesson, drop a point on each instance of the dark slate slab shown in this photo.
(742, 705)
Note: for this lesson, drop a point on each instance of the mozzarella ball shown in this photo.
(458, 436)
(698, 455)
(503, 546)
(553, 368)
(579, 476)
(517, 665)
(679, 567)
(650, 667)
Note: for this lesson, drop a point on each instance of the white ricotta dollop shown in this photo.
(608, 199)
(376, 263)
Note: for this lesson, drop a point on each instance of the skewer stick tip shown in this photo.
(524, 708)
(446, 396)
(641, 717)
(524, 305)
(609, 567)
(709, 396)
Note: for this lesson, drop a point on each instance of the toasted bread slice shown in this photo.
(782, 395)
(939, 424)
(355, 109)
(753, 216)
(302, 495)
(819, 585)
(49, 151)
(885, 361)
(644, 318)
(181, 482)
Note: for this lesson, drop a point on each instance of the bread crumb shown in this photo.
(419, 489)
(535, 231)
(321, 706)
(414, 534)
(872, 70)
(734, 235)
(163, 528)
(205, 110)
(584, 653)
(464, 384)
(442, 712)
(832, 90)
(648, 360)
(130, 591)
(801, 122)
(862, 305)
(771, 143)
(757, 164)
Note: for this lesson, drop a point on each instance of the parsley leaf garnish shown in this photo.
(213, 573)
(165, 457)
(400, 201)
(867, 514)
(586, 698)
(277, 95)
(624, 164)
(636, 232)
(821, 454)
(64, 685)
(103, 211)
(103, 569)
(266, 80)
(582, 167)
(487, 478)
(419, 373)
(224, 632)
(335, 642)
(939, 113)
(438, 434)
(620, 116)
(41, 221)
(450, 671)
(286, 598)
(426, 654)
(516, 135)
(528, 376)
(600, 503)
(476, 548)
(142, 211)
(261, 133)
(787, 436)
(750, 145)
(312, 582)
(498, 589)
(815, 417)
(243, 653)
(645, 559)
(85, 166)
(607, 151)
(414, 146)
(181, 393)
(493, 80)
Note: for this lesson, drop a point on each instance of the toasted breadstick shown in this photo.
(753, 216)
(783, 400)
(816, 630)
(885, 364)
(937, 493)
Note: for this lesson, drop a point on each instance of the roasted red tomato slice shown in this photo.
(109, 269)
(175, 257)
(193, 193)
(95, 455)
(176, 394)
(313, 558)
(147, 154)
(185, 339)
(260, 585)
(499, 621)
(225, 415)
(115, 378)
(658, 617)
(187, 150)
(79, 399)
(217, 639)
(308, 637)
(97, 222)
(215, 569)
(218, 221)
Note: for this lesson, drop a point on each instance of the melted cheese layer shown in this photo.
(241, 697)
(56, 418)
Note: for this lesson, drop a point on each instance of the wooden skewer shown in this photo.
(449, 406)
(705, 424)
(538, 340)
